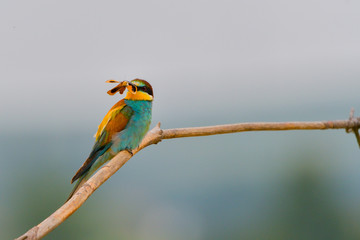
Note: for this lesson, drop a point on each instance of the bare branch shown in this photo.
(260, 126)
(155, 136)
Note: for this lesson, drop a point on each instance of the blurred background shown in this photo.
(209, 62)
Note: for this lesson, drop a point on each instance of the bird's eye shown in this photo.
(133, 87)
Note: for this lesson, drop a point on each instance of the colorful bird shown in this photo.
(122, 128)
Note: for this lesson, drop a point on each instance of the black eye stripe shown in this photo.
(146, 89)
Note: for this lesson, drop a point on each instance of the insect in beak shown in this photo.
(119, 88)
(111, 81)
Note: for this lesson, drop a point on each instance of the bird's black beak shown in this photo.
(132, 87)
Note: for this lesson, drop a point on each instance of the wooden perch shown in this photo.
(156, 135)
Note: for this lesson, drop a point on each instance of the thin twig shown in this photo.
(155, 136)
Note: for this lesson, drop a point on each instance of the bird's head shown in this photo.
(138, 89)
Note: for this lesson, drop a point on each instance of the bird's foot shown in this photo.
(129, 151)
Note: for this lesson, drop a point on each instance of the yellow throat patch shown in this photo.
(138, 95)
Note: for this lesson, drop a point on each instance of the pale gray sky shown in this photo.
(209, 62)
(198, 55)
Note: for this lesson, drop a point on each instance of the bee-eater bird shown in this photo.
(122, 128)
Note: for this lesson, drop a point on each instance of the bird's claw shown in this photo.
(129, 151)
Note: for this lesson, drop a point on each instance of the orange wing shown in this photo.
(114, 121)
(112, 113)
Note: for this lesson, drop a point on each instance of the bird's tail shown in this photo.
(80, 182)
